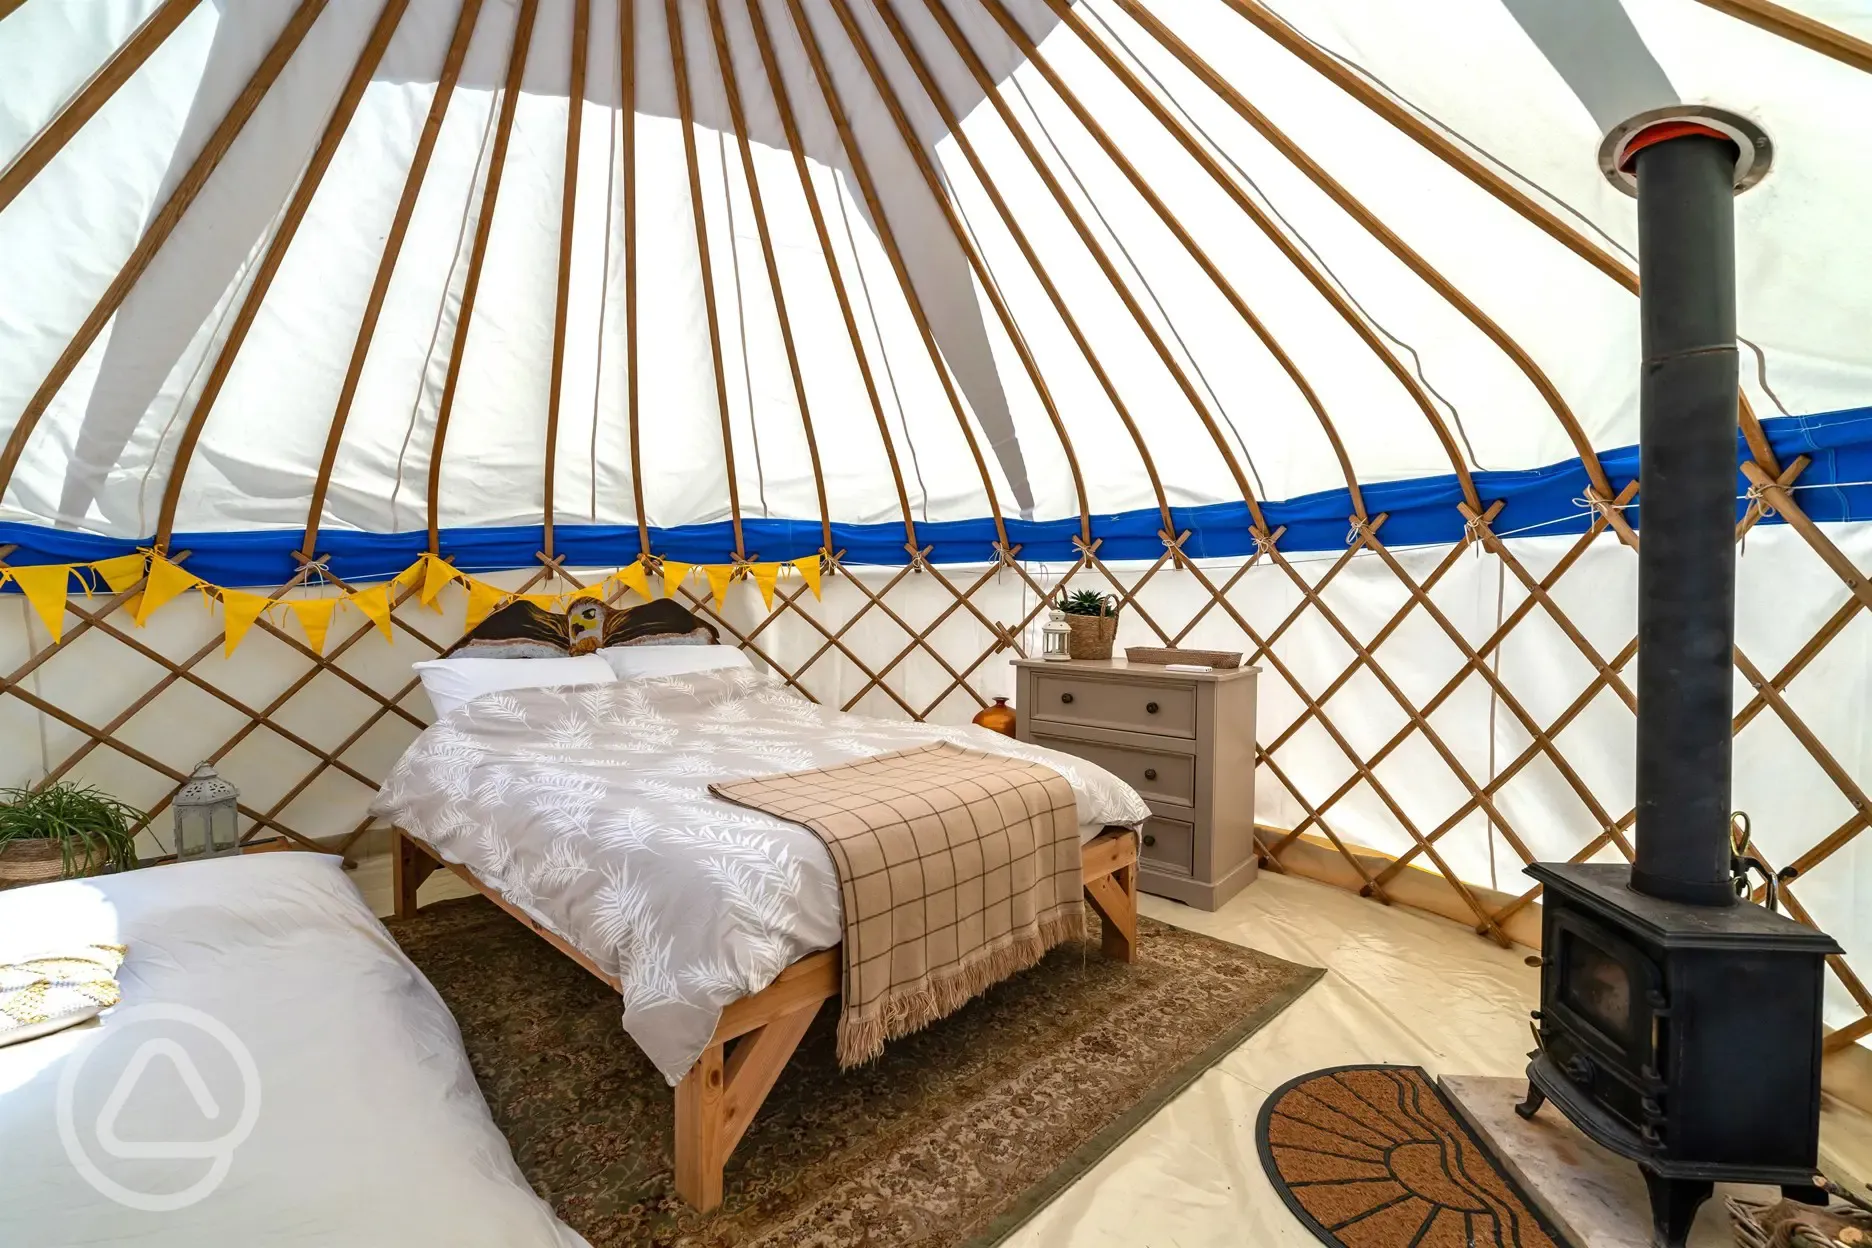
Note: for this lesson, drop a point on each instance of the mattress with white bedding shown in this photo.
(357, 1121)
(588, 808)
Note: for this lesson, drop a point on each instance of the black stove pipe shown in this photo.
(1687, 513)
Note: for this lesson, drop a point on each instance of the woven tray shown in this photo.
(1221, 660)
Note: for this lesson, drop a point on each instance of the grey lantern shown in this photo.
(206, 816)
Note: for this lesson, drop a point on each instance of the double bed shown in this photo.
(585, 811)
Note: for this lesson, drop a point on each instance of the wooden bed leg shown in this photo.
(699, 1130)
(1115, 898)
(720, 1095)
(1111, 886)
(410, 865)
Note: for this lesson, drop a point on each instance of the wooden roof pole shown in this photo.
(1798, 28)
(568, 206)
(274, 256)
(1337, 192)
(967, 246)
(888, 238)
(1451, 153)
(94, 95)
(973, 61)
(484, 226)
(159, 229)
(7, 6)
(783, 103)
(386, 265)
(1275, 235)
(679, 61)
(738, 119)
(627, 79)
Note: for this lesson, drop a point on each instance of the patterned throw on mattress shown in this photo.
(589, 808)
(956, 869)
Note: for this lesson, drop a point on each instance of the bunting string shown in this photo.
(47, 587)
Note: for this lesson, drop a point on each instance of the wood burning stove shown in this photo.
(1677, 1027)
(1686, 1038)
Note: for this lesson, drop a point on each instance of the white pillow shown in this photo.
(452, 683)
(647, 662)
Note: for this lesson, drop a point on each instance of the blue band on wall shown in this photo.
(1422, 512)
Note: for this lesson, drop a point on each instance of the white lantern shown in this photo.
(207, 816)
(1053, 635)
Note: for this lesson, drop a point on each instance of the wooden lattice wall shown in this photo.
(309, 737)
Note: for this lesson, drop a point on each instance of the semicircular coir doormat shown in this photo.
(1375, 1157)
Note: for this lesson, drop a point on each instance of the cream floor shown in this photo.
(1400, 987)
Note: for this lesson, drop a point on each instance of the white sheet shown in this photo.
(369, 1131)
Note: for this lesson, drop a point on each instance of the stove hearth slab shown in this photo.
(1594, 1197)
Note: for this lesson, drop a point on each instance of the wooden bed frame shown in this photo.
(720, 1095)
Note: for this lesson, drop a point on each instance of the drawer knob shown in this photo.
(1066, 697)
(1149, 840)
(1150, 773)
(1150, 708)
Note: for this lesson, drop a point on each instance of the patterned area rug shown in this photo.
(954, 1137)
(1375, 1157)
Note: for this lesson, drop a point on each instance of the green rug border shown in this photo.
(1081, 1160)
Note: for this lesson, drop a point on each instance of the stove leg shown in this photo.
(1674, 1205)
(1531, 1106)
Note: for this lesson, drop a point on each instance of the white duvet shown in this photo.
(589, 809)
(367, 1128)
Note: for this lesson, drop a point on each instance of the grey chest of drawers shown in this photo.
(1184, 740)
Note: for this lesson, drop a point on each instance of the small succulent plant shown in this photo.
(1088, 602)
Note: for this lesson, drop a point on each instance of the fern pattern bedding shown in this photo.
(589, 808)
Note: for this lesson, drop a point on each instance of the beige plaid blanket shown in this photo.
(956, 868)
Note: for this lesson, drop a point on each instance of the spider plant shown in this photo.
(94, 831)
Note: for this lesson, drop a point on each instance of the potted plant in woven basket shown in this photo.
(1093, 619)
(63, 831)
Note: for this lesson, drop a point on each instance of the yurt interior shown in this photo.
(935, 623)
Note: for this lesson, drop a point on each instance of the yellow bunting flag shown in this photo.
(719, 574)
(411, 574)
(375, 604)
(673, 574)
(766, 576)
(120, 573)
(239, 611)
(634, 578)
(544, 602)
(595, 592)
(46, 586)
(436, 574)
(482, 599)
(166, 581)
(315, 616)
(809, 570)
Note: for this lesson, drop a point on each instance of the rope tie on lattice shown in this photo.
(1757, 500)
(1360, 531)
(1600, 506)
(1175, 546)
(317, 570)
(1473, 528)
(1264, 541)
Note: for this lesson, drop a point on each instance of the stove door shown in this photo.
(1602, 1000)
